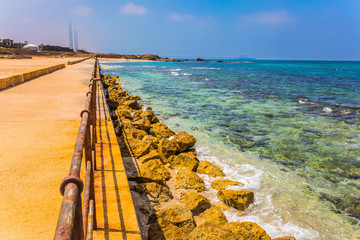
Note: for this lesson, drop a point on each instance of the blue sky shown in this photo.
(265, 29)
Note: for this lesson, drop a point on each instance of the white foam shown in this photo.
(111, 67)
(327, 109)
(175, 73)
(176, 69)
(148, 66)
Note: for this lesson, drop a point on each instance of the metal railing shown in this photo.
(77, 219)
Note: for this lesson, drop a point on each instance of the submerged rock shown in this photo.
(222, 184)
(195, 202)
(205, 167)
(183, 141)
(174, 222)
(213, 216)
(247, 230)
(154, 170)
(239, 199)
(187, 179)
(184, 160)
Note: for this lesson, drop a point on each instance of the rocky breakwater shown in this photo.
(169, 195)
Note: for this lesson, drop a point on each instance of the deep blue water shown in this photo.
(295, 122)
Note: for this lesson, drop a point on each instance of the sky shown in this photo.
(263, 29)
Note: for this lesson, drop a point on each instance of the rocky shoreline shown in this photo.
(163, 173)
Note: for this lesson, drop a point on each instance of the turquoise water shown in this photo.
(288, 129)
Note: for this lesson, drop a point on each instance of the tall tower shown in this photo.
(76, 41)
(70, 37)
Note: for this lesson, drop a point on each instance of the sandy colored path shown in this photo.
(9, 67)
(39, 121)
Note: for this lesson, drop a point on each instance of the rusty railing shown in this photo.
(77, 219)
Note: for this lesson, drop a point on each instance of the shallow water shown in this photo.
(289, 130)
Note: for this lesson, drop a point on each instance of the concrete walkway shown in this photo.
(39, 122)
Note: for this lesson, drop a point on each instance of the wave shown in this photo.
(204, 68)
(178, 74)
(111, 67)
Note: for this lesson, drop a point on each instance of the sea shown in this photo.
(288, 130)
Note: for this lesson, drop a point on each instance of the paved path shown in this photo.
(39, 121)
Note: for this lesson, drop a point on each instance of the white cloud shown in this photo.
(82, 10)
(270, 17)
(176, 17)
(131, 8)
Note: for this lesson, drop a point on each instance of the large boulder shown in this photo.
(166, 148)
(211, 232)
(284, 238)
(247, 230)
(134, 133)
(222, 184)
(139, 147)
(184, 160)
(133, 104)
(205, 167)
(183, 141)
(213, 216)
(174, 222)
(142, 124)
(239, 199)
(153, 154)
(187, 179)
(196, 202)
(155, 192)
(153, 170)
(148, 114)
(161, 130)
(124, 113)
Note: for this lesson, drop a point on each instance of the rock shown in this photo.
(239, 199)
(284, 238)
(210, 169)
(134, 133)
(166, 148)
(153, 154)
(187, 179)
(213, 216)
(222, 184)
(133, 104)
(183, 141)
(153, 139)
(174, 222)
(142, 124)
(222, 206)
(211, 232)
(195, 202)
(247, 230)
(184, 160)
(161, 130)
(138, 147)
(148, 114)
(124, 113)
(154, 170)
(155, 192)
(200, 60)
(135, 97)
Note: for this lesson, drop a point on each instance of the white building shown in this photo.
(32, 47)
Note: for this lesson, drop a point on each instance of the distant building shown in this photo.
(32, 47)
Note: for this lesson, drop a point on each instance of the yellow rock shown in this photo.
(222, 184)
(184, 160)
(187, 179)
(134, 133)
(222, 205)
(248, 230)
(155, 171)
(148, 114)
(205, 167)
(138, 147)
(195, 202)
(155, 192)
(183, 141)
(239, 199)
(153, 154)
(143, 124)
(133, 104)
(213, 216)
(211, 232)
(161, 130)
(166, 148)
(174, 222)
(284, 238)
